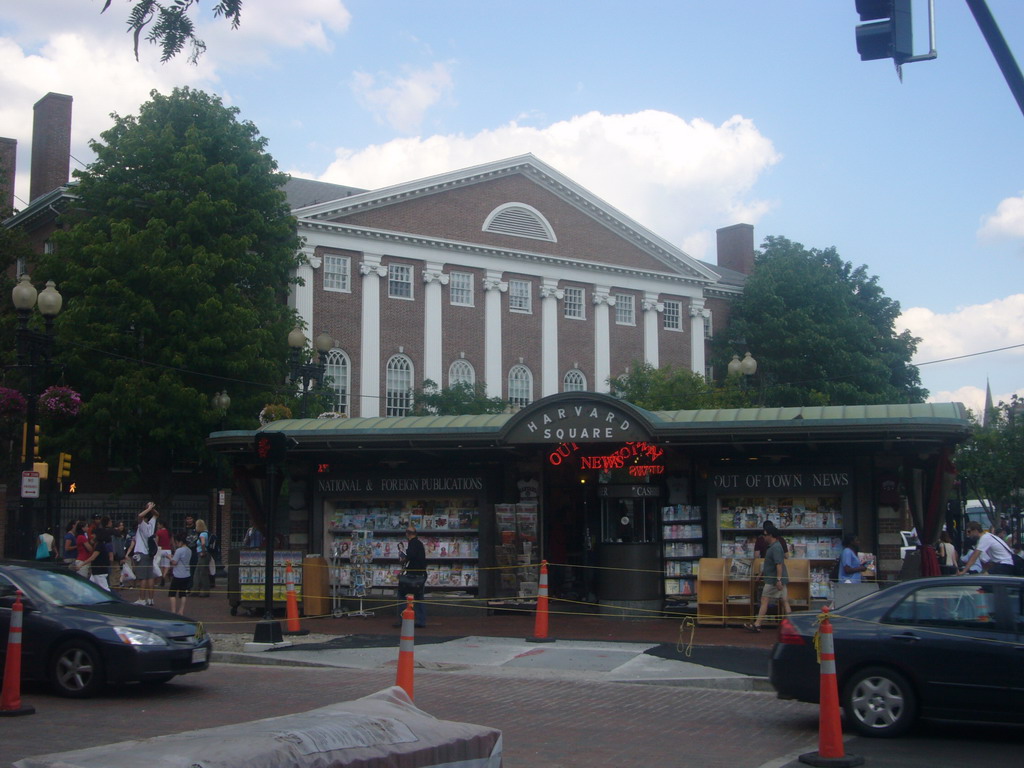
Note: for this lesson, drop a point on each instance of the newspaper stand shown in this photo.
(360, 563)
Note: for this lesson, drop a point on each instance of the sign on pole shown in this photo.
(29, 485)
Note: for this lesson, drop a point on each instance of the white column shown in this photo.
(549, 296)
(433, 279)
(697, 314)
(301, 299)
(493, 288)
(369, 366)
(651, 307)
(603, 301)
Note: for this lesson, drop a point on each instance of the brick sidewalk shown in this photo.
(565, 621)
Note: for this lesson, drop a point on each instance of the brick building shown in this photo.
(507, 274)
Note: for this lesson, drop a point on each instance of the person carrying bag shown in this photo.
(414, 576)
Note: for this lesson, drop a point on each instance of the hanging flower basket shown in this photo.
(274, 412)
(60, 403)
(12, 405)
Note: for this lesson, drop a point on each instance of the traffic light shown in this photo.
(890, 35)
(24, 443)
(63, 466)
(271, 447)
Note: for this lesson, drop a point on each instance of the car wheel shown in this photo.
(76, 669)
(879, 702)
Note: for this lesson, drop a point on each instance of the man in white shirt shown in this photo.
(996, 555)
(142, 561)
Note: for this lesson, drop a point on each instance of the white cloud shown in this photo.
(1006, 223)
(100, 78)
(971, 396)
(967, 330)
(680, 179)
(402, 101)
(67, 46)
(962, 334)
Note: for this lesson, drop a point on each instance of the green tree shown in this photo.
(822, 331)
(458, 399)
(991, 463)
(671, 389)
(170, 26)
(174, 268)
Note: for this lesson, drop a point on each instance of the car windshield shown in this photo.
(54, 587)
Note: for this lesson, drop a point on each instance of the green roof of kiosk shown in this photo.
(934, 420)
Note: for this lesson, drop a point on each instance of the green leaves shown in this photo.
(172, 270)
(822, 331)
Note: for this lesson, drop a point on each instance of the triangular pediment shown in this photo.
(456, 208)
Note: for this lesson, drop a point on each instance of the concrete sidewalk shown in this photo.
(601, 661)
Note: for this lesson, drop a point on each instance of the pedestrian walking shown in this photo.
(776, 577)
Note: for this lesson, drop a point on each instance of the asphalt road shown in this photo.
(548, 723)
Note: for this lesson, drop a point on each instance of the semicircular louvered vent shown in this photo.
(519, 220)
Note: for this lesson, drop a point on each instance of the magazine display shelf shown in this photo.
(367, 538)
(811, 525)
(246, 574)
(683, 545)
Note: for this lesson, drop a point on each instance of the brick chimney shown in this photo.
(736, 248)
(51, 144)
(8, 166)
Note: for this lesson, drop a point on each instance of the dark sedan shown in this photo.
(950, 648)
(79, 637)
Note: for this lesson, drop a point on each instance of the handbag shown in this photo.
(127, 574)
(411, 583)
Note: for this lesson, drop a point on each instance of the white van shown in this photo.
(973, 510)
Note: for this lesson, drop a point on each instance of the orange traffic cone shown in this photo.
(406, 654)
(830, 730)
(540, 621)
(10, 698)
(291, 603)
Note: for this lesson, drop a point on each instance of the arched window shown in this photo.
(398, 387)
(520, 386)
(461, 372)
(337, 371)
(574, 381)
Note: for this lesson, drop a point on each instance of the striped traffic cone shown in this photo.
(540, 621)
(10, 698)
(291, 603)
(830, 730)
(406, 654)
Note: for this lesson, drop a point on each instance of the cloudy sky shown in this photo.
(684, 114)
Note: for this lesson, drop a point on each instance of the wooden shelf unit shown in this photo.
(711, 590)
(725, 598)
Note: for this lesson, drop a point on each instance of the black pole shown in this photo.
(268, 630)
(1000, 50)
(268, 565)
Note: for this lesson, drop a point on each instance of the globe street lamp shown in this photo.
(744, 368)
(35, 352)
(307, 375)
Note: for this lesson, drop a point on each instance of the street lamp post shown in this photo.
(222, 403)
(308, 375)
(35, 352)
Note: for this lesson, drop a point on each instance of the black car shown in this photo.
(80, 637)
(949, 648)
